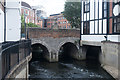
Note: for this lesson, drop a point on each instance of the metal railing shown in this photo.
(13, 53)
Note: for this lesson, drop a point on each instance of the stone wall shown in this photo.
(108, 55)
(53, 45)
(55, 33)
(110, 59)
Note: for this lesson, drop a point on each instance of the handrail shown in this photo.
(12, 54)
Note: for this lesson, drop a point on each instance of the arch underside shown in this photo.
(68, 50)
(39, 51)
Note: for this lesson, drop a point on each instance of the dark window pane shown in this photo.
(118, 28)
(118, 20)
(115, 28)
(115, 20)
(86, 28)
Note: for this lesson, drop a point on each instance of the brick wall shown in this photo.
(30, 15)
(55, 33)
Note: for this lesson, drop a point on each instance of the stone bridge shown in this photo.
(52, 41)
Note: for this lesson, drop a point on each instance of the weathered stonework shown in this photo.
(54, 39)
(110, 57)
(54, 44)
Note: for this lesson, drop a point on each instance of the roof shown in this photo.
(54, 14)
(25, 4)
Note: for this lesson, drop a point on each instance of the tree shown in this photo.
(32, 25)
(72, 12)
(27, 25)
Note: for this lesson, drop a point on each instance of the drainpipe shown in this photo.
(106, 37)
(80, 26)
(4, 21)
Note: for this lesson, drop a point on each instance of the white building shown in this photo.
(100, 29)
(10, 20)
(1, 21)
(100, 20)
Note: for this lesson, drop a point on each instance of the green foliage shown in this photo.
(27, 24)
(72, 12)
(32, 25)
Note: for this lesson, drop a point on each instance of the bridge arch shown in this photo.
(67, 50)
(37, 41)
(93, 53)
(69, 40)
(40, 50)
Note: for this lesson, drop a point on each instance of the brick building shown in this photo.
(58, 21)
(26, 9)
(40, 18)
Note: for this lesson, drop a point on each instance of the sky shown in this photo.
(49, 6)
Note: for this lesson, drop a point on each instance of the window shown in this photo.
(28, 20)
(65, 21)
(86, 6)
(105, 8)
(28, 12)
(48, 23)
(86, 29)
(116, 20)
(116, 1)
(116, 25)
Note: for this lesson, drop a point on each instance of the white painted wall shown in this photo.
(92, 9)
(99, 38)
(95, 38)
(1, 26)
(100, 9)
(114, 38)
(13, 20)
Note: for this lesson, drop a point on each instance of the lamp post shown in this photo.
(25, 15)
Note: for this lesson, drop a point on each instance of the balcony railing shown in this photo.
(12, 53)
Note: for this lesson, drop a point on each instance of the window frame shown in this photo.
(117, 22)
(105, 9)
(85, 6)
(87, 26)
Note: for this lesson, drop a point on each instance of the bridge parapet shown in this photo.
(12, 57)
(55, 33)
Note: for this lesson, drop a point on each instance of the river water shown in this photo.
(67, 69)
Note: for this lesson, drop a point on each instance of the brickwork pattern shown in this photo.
(55, 33)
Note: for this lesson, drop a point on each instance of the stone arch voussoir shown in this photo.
(42, 43)
(64, 42)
